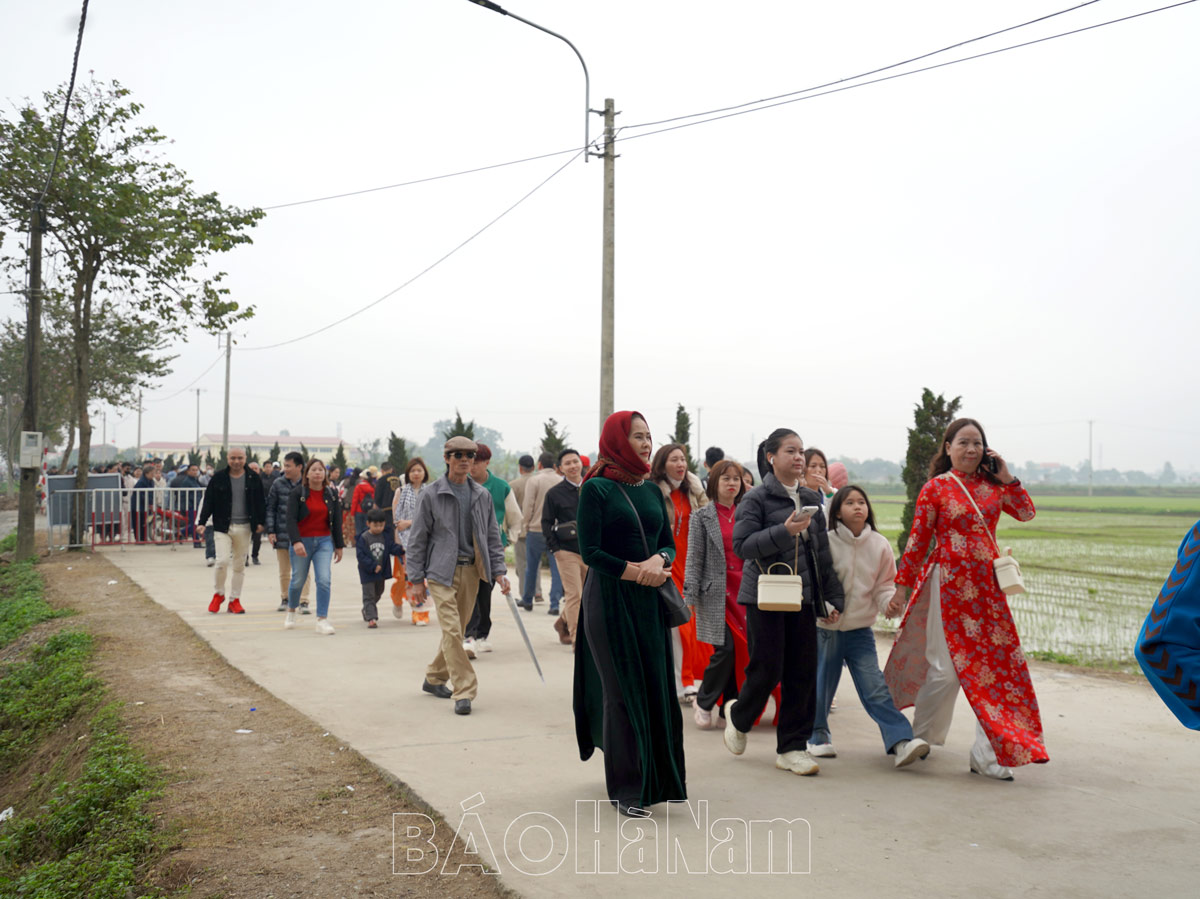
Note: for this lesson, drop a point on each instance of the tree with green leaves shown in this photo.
(339, 459)
(209, 460)
(683, 435)
(931, 417)
(169, 463)
(397, 452)
(127, 233)
(460, 428)
(194, 458)
(554, 441)
(304, 452)
(273, 456)
(251, 456)
(222, 459)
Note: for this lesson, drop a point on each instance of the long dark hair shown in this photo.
(839, 499)
(658, 466)
(941, 462)
(771, 445)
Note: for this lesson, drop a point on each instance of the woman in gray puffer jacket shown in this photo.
(770, 528)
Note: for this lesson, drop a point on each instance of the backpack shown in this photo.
(367, 503)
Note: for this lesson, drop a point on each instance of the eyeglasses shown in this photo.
(461, 454)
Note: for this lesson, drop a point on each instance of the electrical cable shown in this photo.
(427, 269)
(876, 71)
(911, 71)
(160, 399)
(368, 190)
(62, 126)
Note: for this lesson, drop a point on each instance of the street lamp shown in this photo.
(607, 264)
(587, 81)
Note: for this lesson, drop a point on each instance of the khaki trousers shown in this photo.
(231, 547)
(572, 571)
(454, 605)
(283, 557)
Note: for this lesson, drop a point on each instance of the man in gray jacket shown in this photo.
(453, 545)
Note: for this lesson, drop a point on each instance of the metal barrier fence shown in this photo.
(120, 517)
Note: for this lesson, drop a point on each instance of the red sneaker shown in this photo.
(215, 605)
(235, 606)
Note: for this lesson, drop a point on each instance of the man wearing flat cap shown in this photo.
(453, 545)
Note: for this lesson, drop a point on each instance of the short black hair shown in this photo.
(386, 466)
(377, 514)
(713, 455)
(546, 460)
(526, 461)
(568, 452)
(295, 458)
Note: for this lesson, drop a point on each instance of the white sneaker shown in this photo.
(210, 562)
(324, 627)
(735, 740)
(397, 611)
(469, 646)
(822, 750)
(798, 762)
(993, 770)
(689, 693)
(703, 717)
(290, 621)
(482, 645)
(908, 751)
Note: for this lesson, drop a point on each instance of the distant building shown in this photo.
(259, 444)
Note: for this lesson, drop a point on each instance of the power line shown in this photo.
(423, 271)
(876, 71)
(62, 126)
(368, 190)
(940, 65)
(220, 356)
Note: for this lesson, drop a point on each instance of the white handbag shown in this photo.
(1007, 568)
(780, 592)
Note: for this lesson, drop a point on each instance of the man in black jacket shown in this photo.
(562, 540)
(277, 529)
(234, 498)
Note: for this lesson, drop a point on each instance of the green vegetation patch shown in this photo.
(43, 693)
(95, 836)
(21, 602)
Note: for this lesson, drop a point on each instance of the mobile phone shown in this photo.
(989, 463)
(807, 511)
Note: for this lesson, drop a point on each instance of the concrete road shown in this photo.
(1116, 812)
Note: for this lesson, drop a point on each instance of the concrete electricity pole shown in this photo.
(228, 355)
(27, 508)
(199, 390)
(607, 269)
(138, 451)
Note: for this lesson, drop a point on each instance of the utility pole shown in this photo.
(199, 390)
(699, 442)
(27, 509)
(228, 355)
(138, 451)
(1090, 466)
(607, 268)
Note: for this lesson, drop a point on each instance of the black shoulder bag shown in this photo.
(676, 609)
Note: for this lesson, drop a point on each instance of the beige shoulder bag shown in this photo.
(1008, 570)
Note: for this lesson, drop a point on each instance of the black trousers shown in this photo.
(720, 677)
(622, 761)
(255, 544)
(481, 619)
(783, 650)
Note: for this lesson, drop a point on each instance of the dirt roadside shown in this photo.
(285, 810)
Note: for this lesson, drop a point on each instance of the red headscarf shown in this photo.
(617, 461)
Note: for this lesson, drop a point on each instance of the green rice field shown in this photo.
(1093, 566)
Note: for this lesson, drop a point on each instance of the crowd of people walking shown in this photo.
(625, 534)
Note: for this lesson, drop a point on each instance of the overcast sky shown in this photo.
(1021, 229)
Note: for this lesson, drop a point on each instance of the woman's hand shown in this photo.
(818, 483)
(337, 554)
(797, 523)
(833, 617)
(1002, 472)
(898, 603)
(403, 524)
(652, 573)
(299, 549)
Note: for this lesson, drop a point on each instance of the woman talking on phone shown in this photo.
(958, 628)
(780, 522)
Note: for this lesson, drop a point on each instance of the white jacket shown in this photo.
(867, 569)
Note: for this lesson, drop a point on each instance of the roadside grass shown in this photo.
(79, 789)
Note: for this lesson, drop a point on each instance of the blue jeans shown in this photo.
(320, 555)
(857, 649)
(210, 545)
(535, 546)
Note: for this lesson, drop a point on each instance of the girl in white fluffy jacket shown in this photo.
(864, 563)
